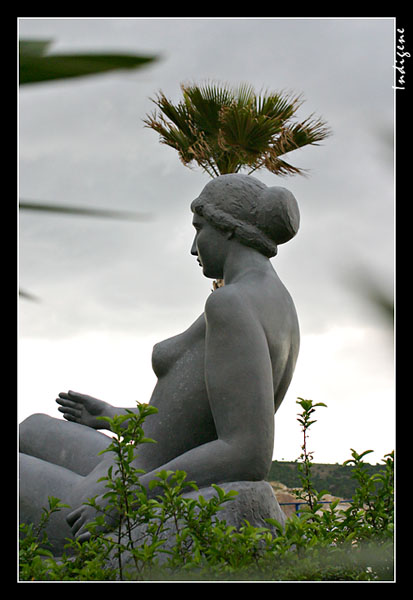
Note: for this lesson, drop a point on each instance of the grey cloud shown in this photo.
(85, 143)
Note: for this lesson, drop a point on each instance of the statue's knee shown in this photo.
(32, 427)
(35, 420)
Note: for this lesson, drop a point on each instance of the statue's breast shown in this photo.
(177, 349)
(164, 356)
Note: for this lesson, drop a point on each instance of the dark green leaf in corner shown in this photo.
(36, 66)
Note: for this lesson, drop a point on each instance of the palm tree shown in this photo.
(225, 130)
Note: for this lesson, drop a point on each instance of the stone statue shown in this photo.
(219, 382)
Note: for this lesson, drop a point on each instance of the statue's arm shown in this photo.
(238, 376)
(87, 410)
(239, 380)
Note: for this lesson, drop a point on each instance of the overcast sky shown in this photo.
(108, 290)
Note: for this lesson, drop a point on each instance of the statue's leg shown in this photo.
(39, 480)
(69, 445)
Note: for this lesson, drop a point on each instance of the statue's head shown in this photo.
(258, 216)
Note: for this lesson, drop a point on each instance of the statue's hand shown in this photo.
(83, 409)
(79, 519)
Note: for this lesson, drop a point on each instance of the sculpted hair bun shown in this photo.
(259, 216)
(279, 215)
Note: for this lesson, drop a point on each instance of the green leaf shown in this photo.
(44, 552)
(232, 494)
(35, 66)
(305, 404)
(146, 440)
(55, 504)
(34, 47)
(164, 474)
(365, 452)
(219, 490)
(275, 523)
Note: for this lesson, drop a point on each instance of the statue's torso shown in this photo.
(184, 419)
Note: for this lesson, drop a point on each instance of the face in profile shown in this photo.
(210, 246)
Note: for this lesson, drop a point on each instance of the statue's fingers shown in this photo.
(70, 415)
(66, 403)
(75, 520)
(76, 395)
(83, 537)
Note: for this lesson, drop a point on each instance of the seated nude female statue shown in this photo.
(219, 382)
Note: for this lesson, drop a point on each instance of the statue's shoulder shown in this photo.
(225, 304)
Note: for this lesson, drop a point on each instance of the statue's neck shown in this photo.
(241, 260)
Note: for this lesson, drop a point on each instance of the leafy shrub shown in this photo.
(318, 544)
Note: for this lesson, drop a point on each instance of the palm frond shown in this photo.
(245, 95)
(177, 114)
(308, 132)
(278, 107)
(278, 166)
(220, 94)
(206, 157)
(171, 136)
(247, 130)
(204, 110)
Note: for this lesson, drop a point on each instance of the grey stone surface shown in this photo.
(254, 503)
